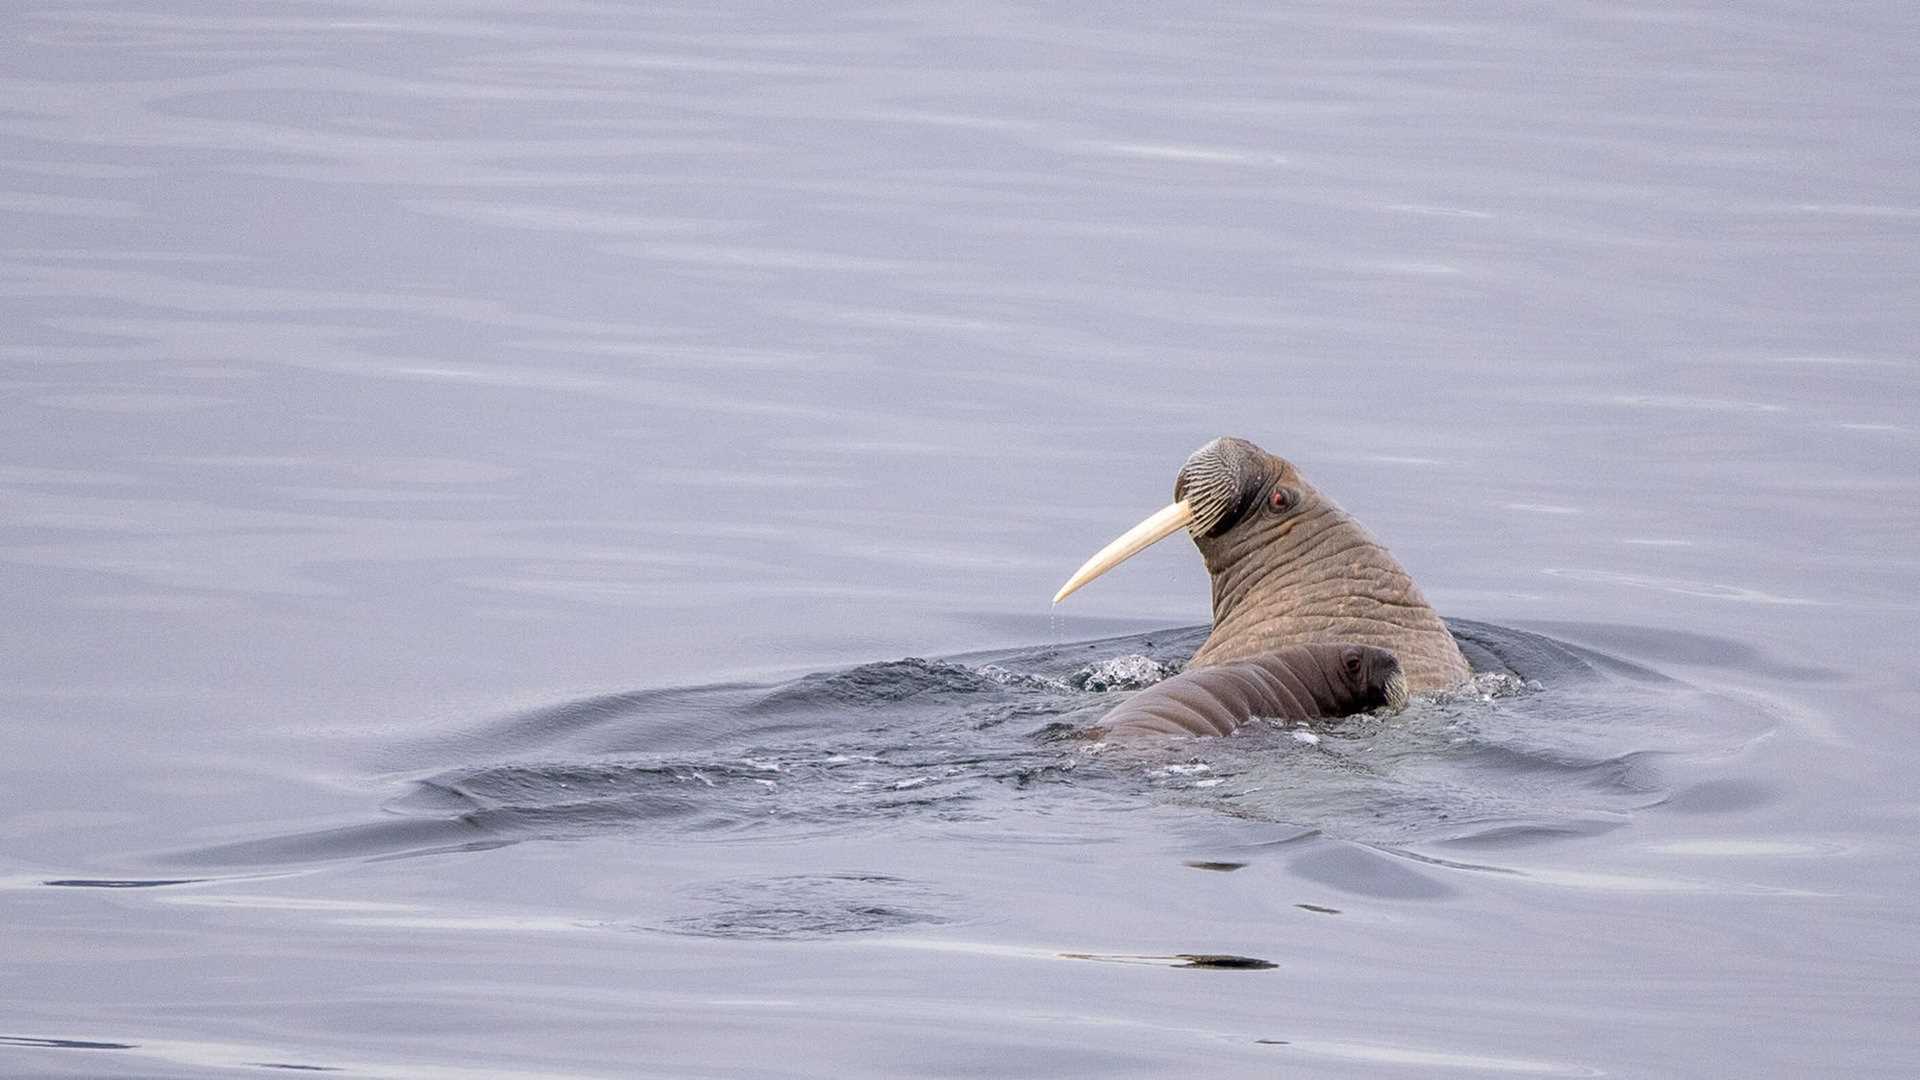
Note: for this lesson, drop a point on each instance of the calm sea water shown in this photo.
(440, 439)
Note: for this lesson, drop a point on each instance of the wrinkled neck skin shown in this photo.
(1316, 575)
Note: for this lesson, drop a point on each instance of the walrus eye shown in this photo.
(1281, 500)
(1353, 662)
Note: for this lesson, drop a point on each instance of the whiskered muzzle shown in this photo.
(1214, 483)
(1397, 692)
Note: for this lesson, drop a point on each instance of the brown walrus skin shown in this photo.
(1298, 682)
(1289, 566)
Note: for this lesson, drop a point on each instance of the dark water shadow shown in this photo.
(120, 883)
(1205, 961)
(44, 1043)
(63, 1044)
(807, 906)
(391, 837)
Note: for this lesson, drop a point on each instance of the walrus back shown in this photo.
(1296, 682)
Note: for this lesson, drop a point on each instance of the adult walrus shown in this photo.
(1295, 682)
(1289, 567)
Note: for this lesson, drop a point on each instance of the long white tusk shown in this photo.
(1162, 524)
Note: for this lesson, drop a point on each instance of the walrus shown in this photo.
(1295, 682)
(1289, 567)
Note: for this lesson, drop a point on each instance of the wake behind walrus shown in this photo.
(1289, 567)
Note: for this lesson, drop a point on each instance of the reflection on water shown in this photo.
(373, 367)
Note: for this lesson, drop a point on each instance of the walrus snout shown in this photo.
(1397, 692)
(1217, 483)
(1374, 678)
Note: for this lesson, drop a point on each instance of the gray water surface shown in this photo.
(470, 470)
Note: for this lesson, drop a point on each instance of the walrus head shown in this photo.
(1288, 566)
(1373, 677)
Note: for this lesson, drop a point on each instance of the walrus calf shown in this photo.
(1298, 682)
(1289, 567)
